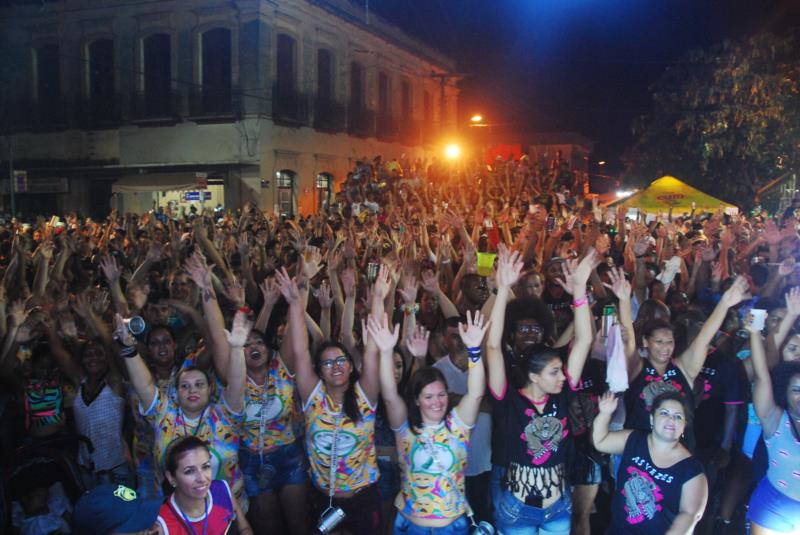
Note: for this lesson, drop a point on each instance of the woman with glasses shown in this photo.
(339, 404)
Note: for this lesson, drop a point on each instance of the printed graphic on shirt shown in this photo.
(423, 461)
(657, 385)
(269, 410)
(642, 496)
(543, 435)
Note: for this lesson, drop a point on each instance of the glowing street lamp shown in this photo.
(452, 151)
(476, 118)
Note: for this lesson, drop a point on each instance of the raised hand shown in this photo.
(121, 332)
(270, 291)
(474, 329)
(241, 327)
(287, 286)
(417, 342)
(312, 261)
(737, 293)
(430, 281)
(324, 295)
(100, 302)
(348, 278)
(641, 245)
(771, 233)
(383, 337)
(792, 298)
(408, 289)
(234, 291)
(18, 313)
(607, 403)
(155, 252)
(198, 271)
(110, 268)
(509, 267)
(380, 289)
(619, 284)
(786, 267)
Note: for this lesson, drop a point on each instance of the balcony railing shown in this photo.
(160, 107)
(99, 112)
(289, 107)
(387, 127)
(329, 115)
(214, 104)
(360, 122)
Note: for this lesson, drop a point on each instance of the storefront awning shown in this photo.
(155, 182)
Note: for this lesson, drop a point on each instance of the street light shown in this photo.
(452, 151)
(476, 118)
(601, 162)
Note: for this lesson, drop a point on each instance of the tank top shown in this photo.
(269, 410)
(647, 498)
(218, 520)
(783, 449)
(44, 403)
(101, 422)
(644, 389)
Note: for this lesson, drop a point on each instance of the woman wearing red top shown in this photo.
(198, 505)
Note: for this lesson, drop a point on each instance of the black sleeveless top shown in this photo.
(644, 389)
(647, 498)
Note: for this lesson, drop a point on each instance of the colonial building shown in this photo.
(207, 101)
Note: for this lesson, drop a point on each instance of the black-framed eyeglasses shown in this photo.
(338, 362)
(523, 328)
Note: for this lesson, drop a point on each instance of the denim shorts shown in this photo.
(389, 480)
(270, 472)
(772, 509)
(513, 517)
(403, 526)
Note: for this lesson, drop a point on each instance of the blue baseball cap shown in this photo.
(113, 508)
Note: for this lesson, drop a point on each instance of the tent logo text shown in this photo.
(670, 197)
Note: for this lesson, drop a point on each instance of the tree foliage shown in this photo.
(725, 119)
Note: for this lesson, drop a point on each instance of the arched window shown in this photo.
(157, 71)
(216, 74)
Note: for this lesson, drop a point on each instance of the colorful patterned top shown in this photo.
(433, 464)
(269, 410)
(44, 404)
(357, 466)
(143, 432)
(219, 426)
(784, 459)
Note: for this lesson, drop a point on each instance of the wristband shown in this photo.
(410, 309)
(246, 309)
(474, 355)
(128, 352)
(577, 303)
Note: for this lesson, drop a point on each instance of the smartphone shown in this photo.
(372, 271)
(550, 226)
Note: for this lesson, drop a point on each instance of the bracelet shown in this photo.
(444, 261)
(246, 309)
(128, 352)
(410, 309)
(577, 303)
(474, 355)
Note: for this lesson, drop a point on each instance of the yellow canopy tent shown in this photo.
(669, 192)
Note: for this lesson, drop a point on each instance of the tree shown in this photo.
(726, 119)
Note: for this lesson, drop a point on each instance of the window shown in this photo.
(101, 72)
(356, 86)
(285, 178)
(324, 74)
(216, 71)
(286, 192)
(285, 65)
(157, 69)
(405, 100)
(383, 94)
(324, 189)
(427, 108)
(48, 74)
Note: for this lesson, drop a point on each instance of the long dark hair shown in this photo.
(421, 378)
(782, 374)
(350, 399)
(175, 451)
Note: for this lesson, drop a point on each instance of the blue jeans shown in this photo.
(513, 517)
(270, 472)
(404, 526)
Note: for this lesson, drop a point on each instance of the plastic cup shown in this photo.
(486, 263)
(759, 316)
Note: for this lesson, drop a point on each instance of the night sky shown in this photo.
(583, 65)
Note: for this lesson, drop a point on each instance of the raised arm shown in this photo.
(430, 283)
(271, 294)
(472, 334)
(370, 380)
(769, 413)
(237, 370)
(509, 267)
(622, 289)
(691, 360)
(575, 278)
(305, 377)
(200, 273)
(775, 340)
(386, 341)
(138, 372)
(325, 299)
(606, 441)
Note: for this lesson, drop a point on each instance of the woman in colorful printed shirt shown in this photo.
(191, 412)
(199, 503)
(660, 486)
(431, 440)
(775, 504)
(532, 431)
(339, 404)
(660, 372)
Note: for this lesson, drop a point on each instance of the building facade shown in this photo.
(268, 101)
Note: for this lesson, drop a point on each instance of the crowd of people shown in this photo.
(246, 372)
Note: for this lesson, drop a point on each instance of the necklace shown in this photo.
(199, 423)
(540, 403)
